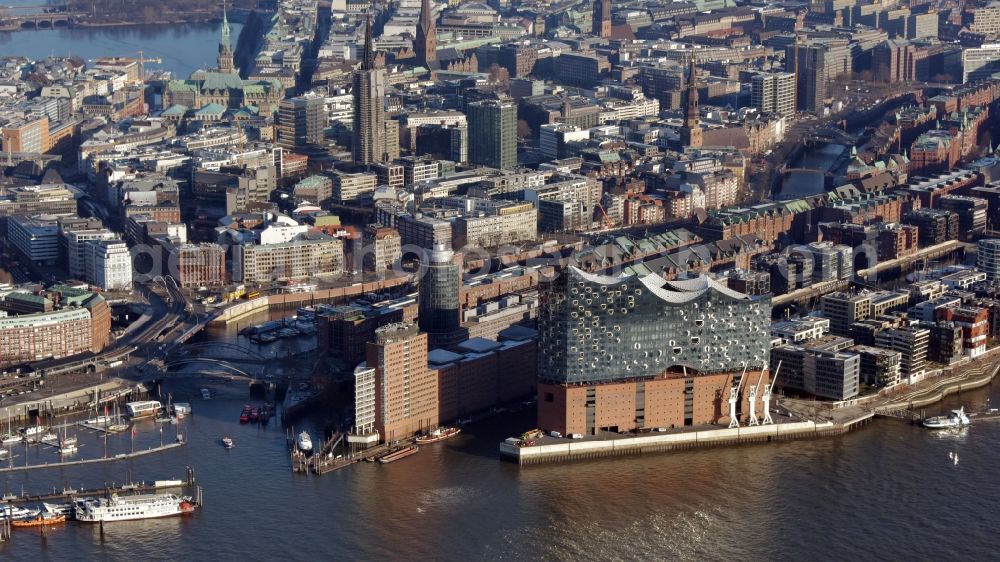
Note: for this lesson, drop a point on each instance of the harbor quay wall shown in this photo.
(948, 383)
(592, 449)
(240, 310)
(587, 449)
(952, 387)
(69, 400)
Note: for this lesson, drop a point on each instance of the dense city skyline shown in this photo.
(598, 229)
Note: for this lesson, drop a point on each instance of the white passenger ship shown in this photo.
(130, 508)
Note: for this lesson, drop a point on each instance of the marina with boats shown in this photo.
(303, 324)
(71, 439)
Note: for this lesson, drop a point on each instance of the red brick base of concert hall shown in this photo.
(671, 400)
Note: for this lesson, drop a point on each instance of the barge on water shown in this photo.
(398, 454)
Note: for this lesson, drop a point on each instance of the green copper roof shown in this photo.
(176, 110)
(211, 109)
(182, 86)
(221, 81)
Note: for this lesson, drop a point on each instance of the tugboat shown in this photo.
(245, 416)
(955, 419)
(254, 415)
(40, 520)
(227, 442)
(439, 434)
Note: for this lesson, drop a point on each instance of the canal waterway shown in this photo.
(808, 176)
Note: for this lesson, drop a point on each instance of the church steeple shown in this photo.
(691, 131)
(693, 113)
(368, 58)
(370, 142)
(225, 62)
(225, 27)
(601, 19)
(425, 44)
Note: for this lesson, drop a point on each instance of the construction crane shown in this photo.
(752, 418)
(142, 66)
(734, 396)
(607, 220)
(766, 399)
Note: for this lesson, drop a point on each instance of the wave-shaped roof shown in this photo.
(675, 292)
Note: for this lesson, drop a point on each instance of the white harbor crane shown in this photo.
(766, 399)
(752, 418)
(734, 396)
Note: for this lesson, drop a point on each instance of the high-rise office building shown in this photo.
(619, 353)
(493, 133)
(773, 92)
(369, 84)
(988, 258)
(425, 44)
(439, 292)
(809, 61)
(406, 392)
(301, 122)
(601, 22)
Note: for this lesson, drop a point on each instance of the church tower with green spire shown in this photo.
(226, 64)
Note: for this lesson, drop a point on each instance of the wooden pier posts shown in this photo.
(5, 529)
